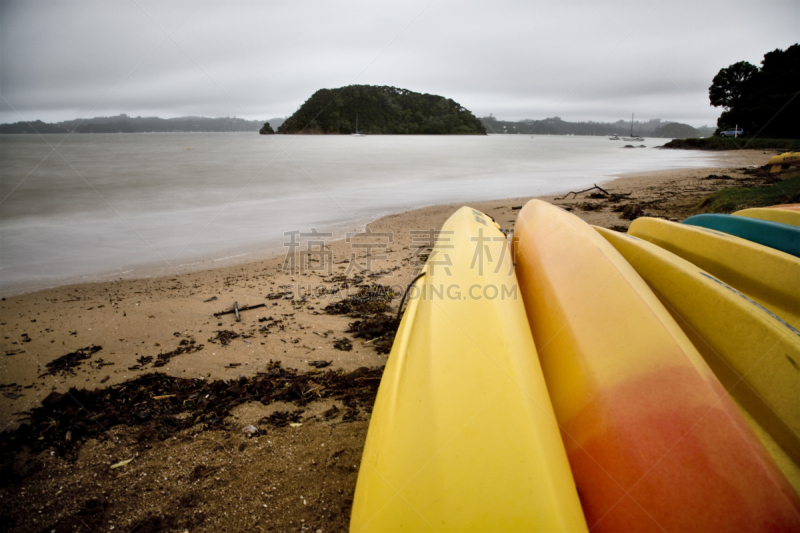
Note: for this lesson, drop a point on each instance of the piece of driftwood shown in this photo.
(576, 193)
(238, 309)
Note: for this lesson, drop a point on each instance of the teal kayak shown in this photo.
(781, 237)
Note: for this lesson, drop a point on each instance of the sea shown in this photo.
(98, 207)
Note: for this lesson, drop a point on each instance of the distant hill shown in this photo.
(676, 130)
(36, 126)
(380, 110)
(557, 126)
(125, 124)
(276, 122)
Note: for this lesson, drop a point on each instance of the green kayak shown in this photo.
(782, 237)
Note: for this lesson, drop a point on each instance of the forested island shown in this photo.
(125, 124)
(381, 110)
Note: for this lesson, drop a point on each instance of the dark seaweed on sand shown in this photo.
(66, 364)
(162, 405)
(369, 300)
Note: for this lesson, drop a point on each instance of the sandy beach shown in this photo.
(285, 478)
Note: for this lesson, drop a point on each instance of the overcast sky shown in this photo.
(593, 60)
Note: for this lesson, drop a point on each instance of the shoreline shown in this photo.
(131, 318)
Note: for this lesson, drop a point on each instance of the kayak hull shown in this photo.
(463, 436)
(650, 433)
(768, 276)
(788, 214)
(781, 237)
(749, 349)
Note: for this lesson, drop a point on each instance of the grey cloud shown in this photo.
(517, 59)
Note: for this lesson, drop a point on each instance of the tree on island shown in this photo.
(266, 129)
(380, 110)
(764, 100)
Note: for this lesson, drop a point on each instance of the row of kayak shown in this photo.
(580, 378)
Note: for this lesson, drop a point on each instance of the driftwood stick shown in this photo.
(237, 309)
(601, 189)
(576, 193)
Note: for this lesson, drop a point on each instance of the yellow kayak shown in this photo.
(785, 159)
(769, 277)
(654, 441)
(463, 436)
(772, 214)
(753, 353)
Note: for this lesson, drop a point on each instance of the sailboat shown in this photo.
(357, 133)
(632, 138)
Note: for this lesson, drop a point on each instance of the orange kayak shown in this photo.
(654, 441)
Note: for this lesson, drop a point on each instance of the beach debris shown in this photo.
(631, 212)
(236, 309)
(186, 347)
(265, 329)
(224, 337)
(343, 344)
(66, 364)
(576, 193)
(163, 397)
(380, 330)
(121, 463)
(330, 413)
(281, 419)
(320, 364)
(210, 299)
(197, 402)
(369, 300)
(233, 365)
(12, 390)
(141, 361)
(251, 430)
(277, 295)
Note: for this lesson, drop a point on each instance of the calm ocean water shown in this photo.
(94, 207)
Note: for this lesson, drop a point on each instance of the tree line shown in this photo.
(762, 100)
(125, 124)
